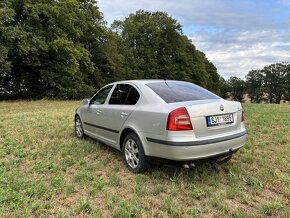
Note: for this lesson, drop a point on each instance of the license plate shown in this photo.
(218, 120)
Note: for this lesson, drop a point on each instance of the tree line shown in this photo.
(270, 84)
(64, 49)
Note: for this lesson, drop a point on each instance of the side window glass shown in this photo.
(133, 97)
(120, 94)
(101, 96)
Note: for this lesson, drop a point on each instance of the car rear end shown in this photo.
(197, 126)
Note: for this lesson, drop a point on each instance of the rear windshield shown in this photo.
(180, 91)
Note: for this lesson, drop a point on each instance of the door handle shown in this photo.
(123, 114)
(99, 111)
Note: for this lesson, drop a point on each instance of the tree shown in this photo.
(110, 59)
(156, 48)
(254, 84)
(275, 81)
(213, 82)
(50, 52)
(287, 78)
(225, 88)
(6, 17)
(63, 49)
(237, 87)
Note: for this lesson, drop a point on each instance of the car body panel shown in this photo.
(90, 117)
(192, 152)
(114, 117)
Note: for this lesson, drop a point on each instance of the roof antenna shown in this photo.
(166, 82)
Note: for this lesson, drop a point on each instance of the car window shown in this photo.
(101, 95)
(180, 91)
(132, 97)
(124, 94)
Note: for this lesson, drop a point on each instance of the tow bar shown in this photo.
(226, 158)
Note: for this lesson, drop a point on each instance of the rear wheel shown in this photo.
(79, 128)
(133, 154)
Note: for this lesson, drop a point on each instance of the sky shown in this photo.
(236, 35)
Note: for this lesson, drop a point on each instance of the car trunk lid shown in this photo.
(201, 111)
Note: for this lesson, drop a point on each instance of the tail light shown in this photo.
(243, 116)
(178, 120)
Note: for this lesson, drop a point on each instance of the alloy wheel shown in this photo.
(79, 128)
(132, 153)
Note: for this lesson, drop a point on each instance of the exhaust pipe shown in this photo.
(185, 166)
(192, 165)
(188, 166)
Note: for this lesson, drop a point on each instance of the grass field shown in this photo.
(46, 171)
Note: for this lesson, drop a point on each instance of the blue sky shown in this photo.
(237, 35)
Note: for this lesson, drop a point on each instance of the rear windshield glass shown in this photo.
(180, 91)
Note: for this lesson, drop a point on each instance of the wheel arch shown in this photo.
(77, 115)
(126, 131)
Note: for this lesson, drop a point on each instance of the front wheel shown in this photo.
(79, 128)
(133, 154)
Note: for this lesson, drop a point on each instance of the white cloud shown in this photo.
(236, 36)
(216, 13)
(284, 2)
(238, 52)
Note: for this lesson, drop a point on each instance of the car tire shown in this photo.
(79, 130)
(133, 154)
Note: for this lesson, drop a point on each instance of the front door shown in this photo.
(92, 114)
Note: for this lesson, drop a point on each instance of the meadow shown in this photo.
(45, 171)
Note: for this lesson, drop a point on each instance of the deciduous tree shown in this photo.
(255, 85)
(237, 87)
(157, 48)
(50, 52)
(275, 81)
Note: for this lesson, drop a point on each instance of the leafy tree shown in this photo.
(275, 81)
(110, 59)
(237, 87)
(213, 82)
(255, 83)
(156, 48)
(50, 53)
(62, 49)
(151, 39)
(225, 88)
(287, 78)
(6, 15)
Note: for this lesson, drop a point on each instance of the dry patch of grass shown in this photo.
(45, 170)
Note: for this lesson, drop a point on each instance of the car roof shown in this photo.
(146, 81)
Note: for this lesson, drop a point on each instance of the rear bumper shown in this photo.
(194, 150)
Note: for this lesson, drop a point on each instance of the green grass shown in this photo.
(46, 171)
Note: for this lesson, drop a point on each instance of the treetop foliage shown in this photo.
(63, 49)
(48, 48)
(270, 84)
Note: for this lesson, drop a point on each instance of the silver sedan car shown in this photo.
(163, 120)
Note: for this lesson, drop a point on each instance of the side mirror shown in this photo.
(85, 101)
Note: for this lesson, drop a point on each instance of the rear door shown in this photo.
(122, 102)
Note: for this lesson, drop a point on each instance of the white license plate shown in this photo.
(218, 120)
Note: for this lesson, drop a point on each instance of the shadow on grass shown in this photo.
(204, 170)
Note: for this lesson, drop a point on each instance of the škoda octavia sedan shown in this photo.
(164, 120)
